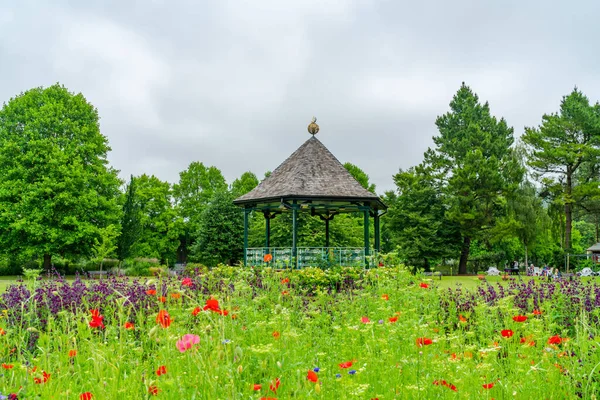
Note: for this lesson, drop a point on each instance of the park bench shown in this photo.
(177, 270)
(97, 274)
(438, 273)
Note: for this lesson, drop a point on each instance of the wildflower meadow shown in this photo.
(246, 333)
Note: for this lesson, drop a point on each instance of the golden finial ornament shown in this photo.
(313, 128)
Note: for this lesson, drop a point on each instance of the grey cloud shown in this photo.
(234, 84)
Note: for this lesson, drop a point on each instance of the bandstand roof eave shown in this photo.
(374, 202)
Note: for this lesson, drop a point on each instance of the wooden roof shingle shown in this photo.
(311, 172)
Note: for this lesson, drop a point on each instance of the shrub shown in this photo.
(140, 266)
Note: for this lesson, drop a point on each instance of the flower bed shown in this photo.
(339, 334)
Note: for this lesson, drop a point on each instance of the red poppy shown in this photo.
(86, 396)
(312, 376)
(96, 322)
(233, 316)
(285, 293)
(537, 312)
(276, 334)
(163, 318)
(45, 377)
(161, 370)
(385, 297)
(151, 292)
(346, 364)
(424, 285)
(175, 296)
(488, 385)
(507, 333)
(7, 366)
(462, 318)
(285, 280)
(222, 312)
(187, 282)
(153, 390)
(95, 312)
(267, 258)
(162, 299)
(256, 386)
(196, 311)
(275, 385)
(72, 353)
(365, 320)
(212, 304)
(129, 325)
(2, 331)
(527, 340)
(444, 383)
(520, 318)
(555, 340)
(423, 341)
(393, 319)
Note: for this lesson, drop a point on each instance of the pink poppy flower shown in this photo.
(187, 341)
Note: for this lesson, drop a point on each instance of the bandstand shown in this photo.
(311, 180)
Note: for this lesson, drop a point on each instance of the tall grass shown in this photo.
(265, 328)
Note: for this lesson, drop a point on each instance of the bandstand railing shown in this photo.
(281, 257)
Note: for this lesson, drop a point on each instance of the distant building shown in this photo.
(595, 252)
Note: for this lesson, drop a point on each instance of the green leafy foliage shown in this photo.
(475, 166)
(360, 176)
(417, 220)
(161, 226)
(565, 151)
(56, 189)
(196, 187)
(220, 237)
(131, 227)
(106, 245)
(244, 184)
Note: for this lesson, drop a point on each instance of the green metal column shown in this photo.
(327, 231)
(377, 237)
(366, 228)
(295, 234)
(246, 213)
(267, 231)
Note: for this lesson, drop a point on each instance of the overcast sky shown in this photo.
(234, 84)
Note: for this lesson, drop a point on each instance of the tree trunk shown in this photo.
(47, 262)
(464, 255)
(426, 265)
(596, 217)
(526, 261)
(568, 211)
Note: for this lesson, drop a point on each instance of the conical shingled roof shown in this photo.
(311, 172)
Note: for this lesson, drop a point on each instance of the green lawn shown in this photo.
(471, 282)
(466, 282)
(7, 280)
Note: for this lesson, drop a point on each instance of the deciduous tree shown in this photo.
(56, 188)
(220, 235)
(417, 219)
(160, 224)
